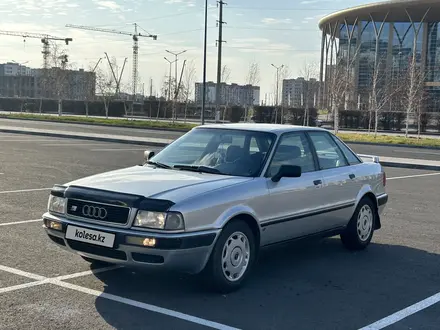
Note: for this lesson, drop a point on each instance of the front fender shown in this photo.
(234, 211)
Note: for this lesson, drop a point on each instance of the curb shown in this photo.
(393, 145)
(410, 166)
(180, 130)
(94, 138)
(159, 144)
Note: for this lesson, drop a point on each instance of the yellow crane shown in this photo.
(135, 37)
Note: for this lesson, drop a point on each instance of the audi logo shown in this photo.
(94, 212)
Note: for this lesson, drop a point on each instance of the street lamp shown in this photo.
(278, 83)
(169, 78)
(175, 66)
(204, 64)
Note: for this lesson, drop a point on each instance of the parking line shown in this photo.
(86, 273)
(23, 286)
(412, 176)
(58, 282)
(22, 273)
(18, 222)
(23, 190)
(137, 149)
(400, 315)
(144, 306)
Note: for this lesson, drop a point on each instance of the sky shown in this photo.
(276, 32)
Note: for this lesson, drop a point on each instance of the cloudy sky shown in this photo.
(278, 32)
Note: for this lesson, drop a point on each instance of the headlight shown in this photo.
(159, 220)
(56, 204)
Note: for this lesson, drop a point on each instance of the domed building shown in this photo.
(383, 51)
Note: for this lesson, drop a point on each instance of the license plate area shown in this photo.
(94, 237)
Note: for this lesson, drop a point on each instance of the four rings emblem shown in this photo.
(94, 212)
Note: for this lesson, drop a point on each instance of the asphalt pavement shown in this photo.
(384, 151)
(308, 285)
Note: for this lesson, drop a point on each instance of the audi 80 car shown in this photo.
(209, 201)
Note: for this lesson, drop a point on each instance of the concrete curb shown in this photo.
(393, 145)
(94, 138)
(410, 166)
(160, 144)
(180, 130)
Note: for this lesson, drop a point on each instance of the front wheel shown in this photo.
(359, 232)
(232, 258)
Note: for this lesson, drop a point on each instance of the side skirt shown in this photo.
(321, 234)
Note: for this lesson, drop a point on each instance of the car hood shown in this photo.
(159, 183)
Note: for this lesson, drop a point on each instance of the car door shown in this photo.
(340, 184)
(292, 202)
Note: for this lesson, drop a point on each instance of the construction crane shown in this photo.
(44, 40)
(135, 37)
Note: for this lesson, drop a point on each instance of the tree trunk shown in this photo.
(376, 119)
(335, 118)
(87, 109)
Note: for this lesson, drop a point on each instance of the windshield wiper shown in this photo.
(157, 164)
(202, 169)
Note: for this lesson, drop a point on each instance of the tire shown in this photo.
(240, 238)
(365, 216)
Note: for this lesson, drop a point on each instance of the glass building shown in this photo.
(389, 45)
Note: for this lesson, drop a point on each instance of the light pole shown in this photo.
(169, 78)
(175, 65)
(204, 64)
(277, 86)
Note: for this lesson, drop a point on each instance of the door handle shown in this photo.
(317, 182)
(352, 176)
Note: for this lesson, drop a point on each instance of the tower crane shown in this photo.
(44, 40)
(135, 37)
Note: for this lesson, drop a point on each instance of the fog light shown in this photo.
(150, 242)
(55, 225)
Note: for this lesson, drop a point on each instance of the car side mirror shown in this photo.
(287, 171)
(148, 155)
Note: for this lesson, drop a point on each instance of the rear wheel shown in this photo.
(232, 258)
(360, 229)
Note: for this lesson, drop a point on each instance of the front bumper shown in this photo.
(186, 252)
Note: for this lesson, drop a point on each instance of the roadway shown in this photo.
(398, 152)
(313, 285)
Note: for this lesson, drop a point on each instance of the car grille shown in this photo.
(98, 212)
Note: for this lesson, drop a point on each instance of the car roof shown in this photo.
(262, 127)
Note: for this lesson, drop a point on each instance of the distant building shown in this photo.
(296, 92)
(233, 94)
(14, 69)
(20, 81)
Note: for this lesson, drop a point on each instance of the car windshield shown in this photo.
(218, 151)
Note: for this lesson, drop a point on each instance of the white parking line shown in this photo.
(400, 315)
(58, 281)
(144, 306)
(23, 286)
(18, 222)
(23, 190)
(120, 149)
(86, 273)
(19, 272)
(412, 176)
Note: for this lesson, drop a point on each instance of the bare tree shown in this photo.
(189, 81)
(309, 71)
(106, 87)
(226, 73)
(252, 79)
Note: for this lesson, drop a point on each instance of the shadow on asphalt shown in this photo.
(306, 285)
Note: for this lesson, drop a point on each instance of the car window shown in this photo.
(352, 159)
(329, 155)
(293, 149)
(225, 150)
